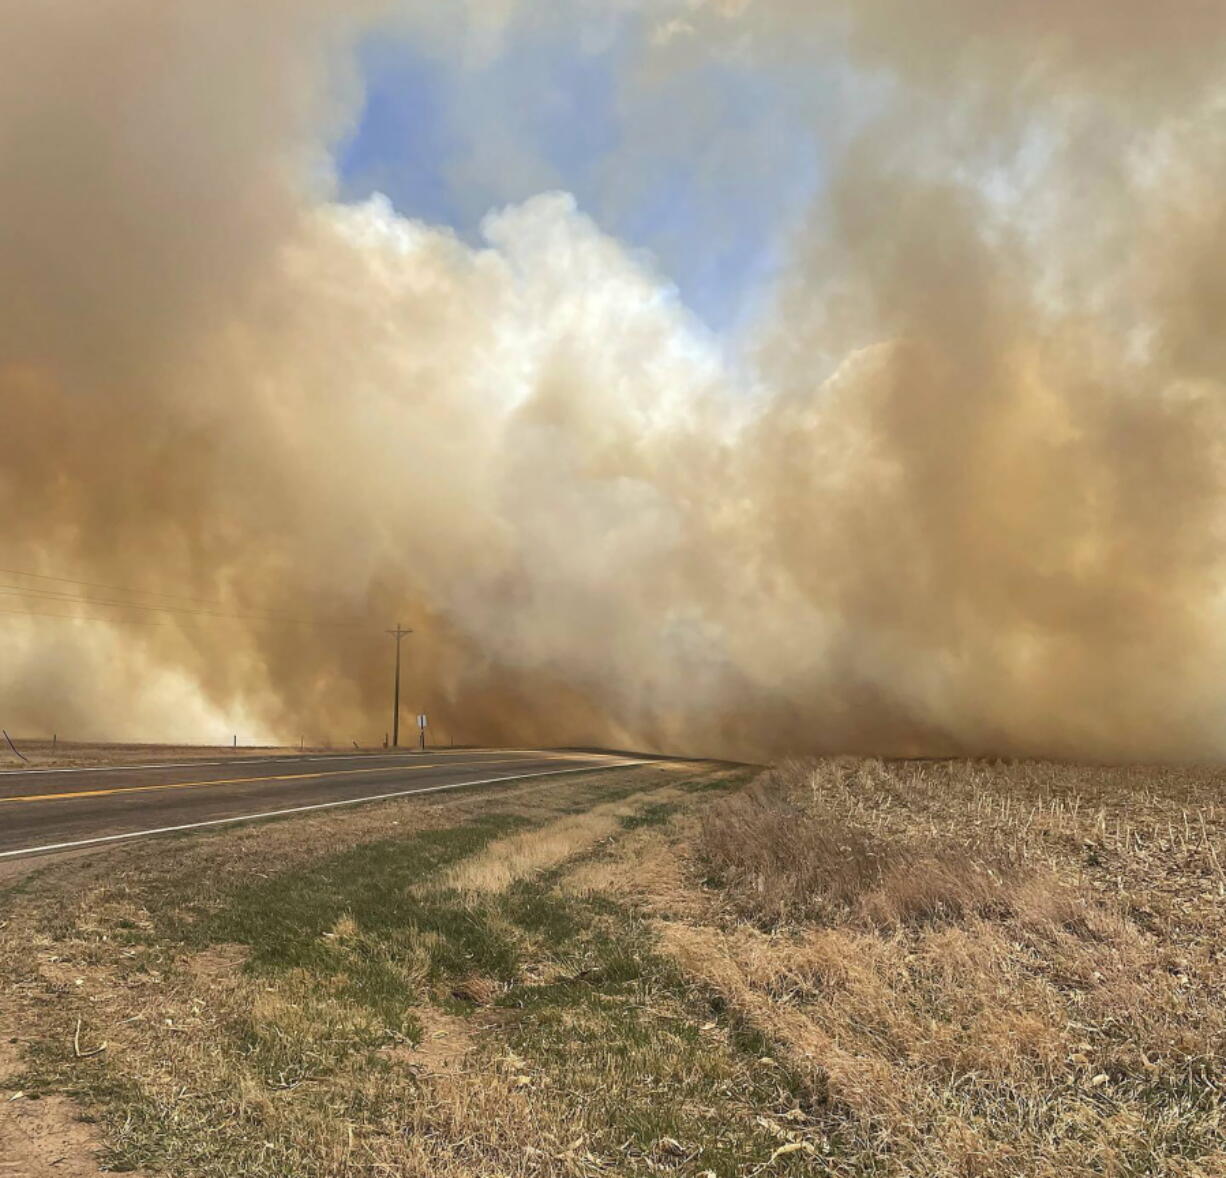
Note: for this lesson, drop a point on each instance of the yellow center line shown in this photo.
(136, 789)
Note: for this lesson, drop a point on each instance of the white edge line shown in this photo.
(430, 789)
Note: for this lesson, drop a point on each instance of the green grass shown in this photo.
(654, 815)
(623, 1034)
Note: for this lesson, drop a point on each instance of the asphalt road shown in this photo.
(48, 810)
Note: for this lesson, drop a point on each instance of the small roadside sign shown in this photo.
(422, 722)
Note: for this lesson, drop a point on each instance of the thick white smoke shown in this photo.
(962, 489)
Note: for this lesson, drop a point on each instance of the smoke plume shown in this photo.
(960, 489)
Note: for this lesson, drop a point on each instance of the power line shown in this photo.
(21, 591)
(111, 588)
(272, 619)
(25, 613)
(36, 591)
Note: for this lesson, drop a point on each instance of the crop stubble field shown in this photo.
(841, 966)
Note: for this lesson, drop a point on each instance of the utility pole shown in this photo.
(399, 633)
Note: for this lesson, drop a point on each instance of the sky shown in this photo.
(448, 136)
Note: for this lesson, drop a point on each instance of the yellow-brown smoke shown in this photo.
(967, 493)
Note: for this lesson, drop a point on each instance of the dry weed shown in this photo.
(983, 968)
(520, 856)
(780, 860)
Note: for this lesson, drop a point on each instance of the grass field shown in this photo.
(844, 967)
(63, 754)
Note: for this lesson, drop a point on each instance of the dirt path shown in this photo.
(44, 1137)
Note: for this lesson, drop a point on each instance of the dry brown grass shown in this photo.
(522, 855)
(782, 861)
(87, 754)
(983, 968)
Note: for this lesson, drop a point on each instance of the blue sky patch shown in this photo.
(708, 169)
